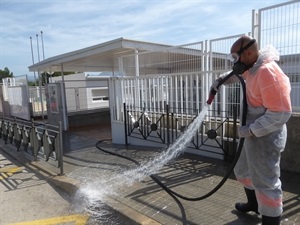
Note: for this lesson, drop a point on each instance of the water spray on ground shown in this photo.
(92, 194)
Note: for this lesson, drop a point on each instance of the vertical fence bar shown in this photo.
(125, 123)
(172, 126)
(167, 90)
(181, 95)
(197, 93)
(162, 93)
(176, 92)
(171, 84)
(60, 153)
(154, 94)
(191, 93)
(168, 125)
(186, 94)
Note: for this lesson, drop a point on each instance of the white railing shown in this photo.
(185, 94)
(181, 76)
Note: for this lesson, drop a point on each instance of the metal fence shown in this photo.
(38, 140)
(181, 76)
(279, 25)
(37, 99)
(216, 137)
(174, 60)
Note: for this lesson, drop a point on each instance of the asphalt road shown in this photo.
(27, 199)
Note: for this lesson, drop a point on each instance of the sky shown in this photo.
(69, 25)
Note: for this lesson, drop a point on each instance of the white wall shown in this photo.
(85, 92)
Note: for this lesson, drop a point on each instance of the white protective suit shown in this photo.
(269, 108)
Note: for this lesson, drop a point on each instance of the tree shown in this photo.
(5, 73)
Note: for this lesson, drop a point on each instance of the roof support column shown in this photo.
(137, 81)
(137, 69)
(41, 94)
(121, 69)
(63, 99)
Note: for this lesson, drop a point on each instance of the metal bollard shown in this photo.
(5, 131)
(49, 144)
(10, 132)
(26, 137)
(37, 141)
(17, 135)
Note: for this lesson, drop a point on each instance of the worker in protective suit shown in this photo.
(265, 133)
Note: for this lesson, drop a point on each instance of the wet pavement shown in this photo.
(87, 168)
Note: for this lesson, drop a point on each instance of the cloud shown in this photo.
(73, 24)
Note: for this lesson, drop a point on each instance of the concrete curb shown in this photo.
(70, 186)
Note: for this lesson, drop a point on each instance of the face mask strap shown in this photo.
(242, 49)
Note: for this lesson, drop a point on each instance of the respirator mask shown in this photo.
(239, 67)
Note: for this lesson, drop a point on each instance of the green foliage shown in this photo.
(44, 76)
(57, 74)
(5, 73)
(32, 83)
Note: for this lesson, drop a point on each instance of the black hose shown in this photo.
(226, 176)
(183, 214)
(238, 153)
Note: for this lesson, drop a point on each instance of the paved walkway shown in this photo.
(100, 177)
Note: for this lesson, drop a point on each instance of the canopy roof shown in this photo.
(101, 57)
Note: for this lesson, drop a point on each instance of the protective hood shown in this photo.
(266, 54)
(269, 53)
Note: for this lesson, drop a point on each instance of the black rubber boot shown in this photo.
(266, 220)
(251, 205)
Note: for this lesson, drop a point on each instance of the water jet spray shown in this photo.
(150, 168)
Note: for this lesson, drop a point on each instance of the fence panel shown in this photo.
(41, 141)
(279, 25)
(37, 98)
(215, 137)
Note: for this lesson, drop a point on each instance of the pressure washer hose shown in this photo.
(226, 176)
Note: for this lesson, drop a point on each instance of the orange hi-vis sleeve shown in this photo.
(269, 87)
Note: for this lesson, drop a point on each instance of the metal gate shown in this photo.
(216, 136)
(171, 89)
(180, 77)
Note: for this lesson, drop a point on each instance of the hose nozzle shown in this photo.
(211, 97)
(213, 92)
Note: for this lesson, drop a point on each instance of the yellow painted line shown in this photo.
(79, 219)
(11, 169)
(3, 176)
(7, 172)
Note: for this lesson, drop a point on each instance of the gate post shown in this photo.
(60, 152)
(168, 126)
(125, 122)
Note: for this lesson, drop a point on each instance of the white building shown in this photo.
(84, 91)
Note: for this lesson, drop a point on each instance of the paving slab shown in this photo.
(99, 177)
